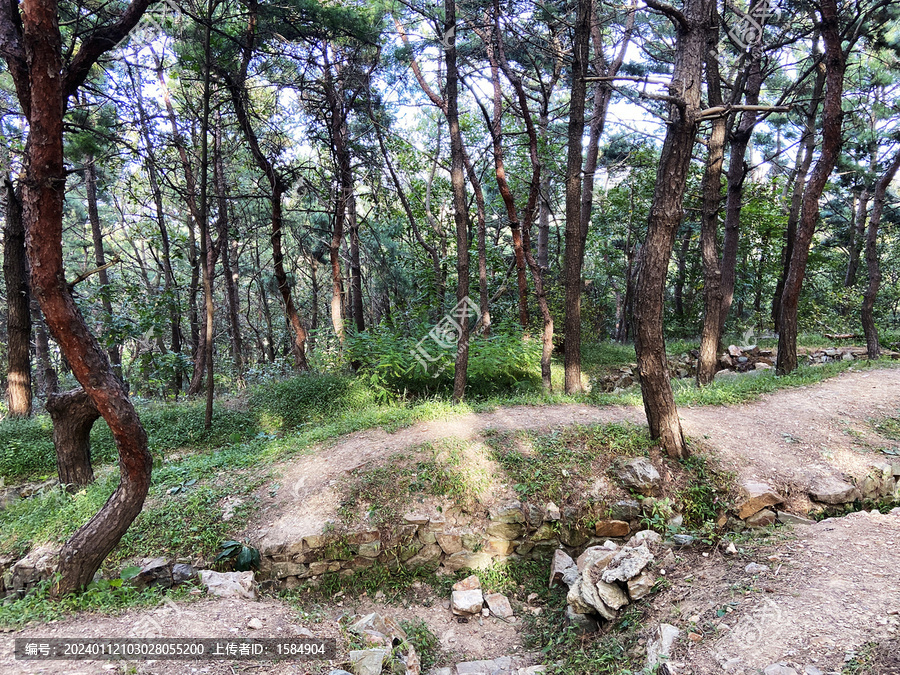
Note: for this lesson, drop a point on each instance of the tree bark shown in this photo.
(355, 267)
(692, 37)
(574, 249)
(711, 190)
(48, 83)
(18, 315)
(73, 415)
(858, 237)
(460, 205)
(47, 379)
(835, 64)
(873, 348)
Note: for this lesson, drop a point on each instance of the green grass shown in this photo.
(426, 643)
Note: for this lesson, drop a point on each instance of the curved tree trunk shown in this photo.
(835, 64)
(873, 348)
(73, 414)
(48, 85)
(18, 316)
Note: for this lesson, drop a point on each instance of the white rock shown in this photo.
(367, 661)
(627, 564)
(466, 602)
(228, 584)
(254, 624)
(660, 646)
(499, 605)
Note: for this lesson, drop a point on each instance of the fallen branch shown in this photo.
(84, 275)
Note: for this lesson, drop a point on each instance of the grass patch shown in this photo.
(426, 643)
(558, 466)
(439, 469)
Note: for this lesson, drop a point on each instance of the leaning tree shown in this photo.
(45, 77)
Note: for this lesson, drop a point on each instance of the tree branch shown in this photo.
(84, 275)
(676, 16)
(722, 110)
(101, 40)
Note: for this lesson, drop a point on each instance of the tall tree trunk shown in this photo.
(481, 244)
(858, 237)
(709, 225)
(692, 27)
(222, 226)
(355, 267)
(460, 206)
(873, 348)
(90, 182)
(808, 147)
(73, 414)
(18, 315)
(207, 250)
(44, 83)
(574, 250)
(47, 379)
(681, 273)
(835, 64)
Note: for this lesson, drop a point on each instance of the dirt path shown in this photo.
(788, 437)
(825, 595)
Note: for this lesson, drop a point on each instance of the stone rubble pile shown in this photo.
(387, 648)
(604, 579)
(467, 598)
(503, 665)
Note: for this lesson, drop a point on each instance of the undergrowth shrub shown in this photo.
(308, 398)
(26, 448)
(387, 362)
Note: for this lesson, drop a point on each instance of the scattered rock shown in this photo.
(626, 509)
(508, 512)
(466, 602)
(756, 568)
(470, 583)
(627, 564)
(639, 474)
(683, 539)
(832, 490)
(155, 572)
(367, 661)
(762, 519)
(228, 584)
(792, 519)
(254, 624)
(562, 561)
(641, 585)
(182, 572)
(660, 646)
(499, 605)
(779, 669)
(648, 536)
(758, 495)
(552, 511)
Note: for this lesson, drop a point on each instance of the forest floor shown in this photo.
(828, 599)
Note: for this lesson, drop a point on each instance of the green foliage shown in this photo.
(706, 494)
(307, 399)
(241, 556)
(26, 448)
(423, 640)
(387, 360)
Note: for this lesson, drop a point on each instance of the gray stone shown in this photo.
(375, 623)
(367, 661)
(475, 668)
(254, 624)
(370, 549)
(156, 572)
(573, 536)
(590, 595)
(755, 568)
(499, 605)
(228, 584)
(639, 474)
(627, 564)
(641, 585)
(534, 516)
(779, 669)
(660, 646)
(582, 623)
(832, 490)
(595, 556)
(282, 570)
(427, 556)
(683, 539)
(792, 519)
(812, 670)
(763, 518)
(626, 509)
(508, 512)
(470, 583)
(552, 511)
(182, 572)
(338, 671)
(648, 536)
(466, 602)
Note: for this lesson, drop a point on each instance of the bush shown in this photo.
(26, 448)
(388, 362)
(307, 398)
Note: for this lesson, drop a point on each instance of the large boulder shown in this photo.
(832, 490)
(756, 496)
